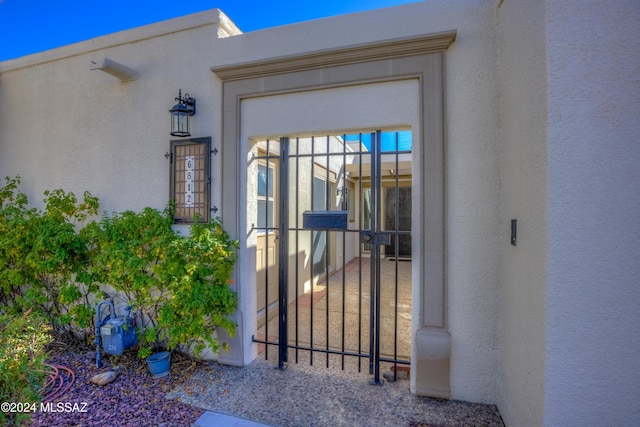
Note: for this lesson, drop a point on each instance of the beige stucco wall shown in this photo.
(473, 200)
(541, 109)
(473, 188)
(63, 125)
(592, 364)
(523, 124)
(570, 154)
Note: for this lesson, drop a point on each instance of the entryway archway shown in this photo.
(389, 84)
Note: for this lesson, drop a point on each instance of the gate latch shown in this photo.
(374, 238)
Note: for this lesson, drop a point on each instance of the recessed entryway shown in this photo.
(374, 86)
(339, 289)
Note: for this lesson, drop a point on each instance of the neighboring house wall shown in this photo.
(299, 200)
(592, 366)
(523, 132)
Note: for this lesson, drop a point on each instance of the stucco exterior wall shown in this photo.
(523, 292)
(63, 125)
(84, 130)
(542, 104)
(592, 368)
(473, 156)
(473, 201)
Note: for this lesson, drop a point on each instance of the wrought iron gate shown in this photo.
(343, 247)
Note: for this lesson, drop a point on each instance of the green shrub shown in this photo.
(179, 286)
(22, 369)
(197, 272)
(44, 260)
(126, 248)
(54, 262)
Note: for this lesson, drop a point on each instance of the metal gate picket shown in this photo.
(370, 233)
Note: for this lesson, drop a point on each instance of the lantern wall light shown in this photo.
(180, 113)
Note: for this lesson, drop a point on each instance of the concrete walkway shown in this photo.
(317, 389)
(216, 419)
(259, 394)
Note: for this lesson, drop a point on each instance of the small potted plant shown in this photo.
(159, 364)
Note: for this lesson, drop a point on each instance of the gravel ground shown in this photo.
(304, 395)
(134, 399)
(301, 395)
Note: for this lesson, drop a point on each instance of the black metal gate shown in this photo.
(339, 209)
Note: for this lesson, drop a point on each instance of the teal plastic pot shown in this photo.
(159, 364)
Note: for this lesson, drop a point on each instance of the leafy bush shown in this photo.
(126, 248)
(22, 369)
(54, 262)
(179, 286)
(197, 272)
(43, 260)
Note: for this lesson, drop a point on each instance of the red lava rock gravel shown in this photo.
(134, 399)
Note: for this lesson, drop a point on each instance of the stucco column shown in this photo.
(431, 352)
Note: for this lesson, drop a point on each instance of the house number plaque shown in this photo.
(189, 194)
(190, 179)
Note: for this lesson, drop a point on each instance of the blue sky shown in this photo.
(30, 26)
(389, 141)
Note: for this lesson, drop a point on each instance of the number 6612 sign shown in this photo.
(189, 171)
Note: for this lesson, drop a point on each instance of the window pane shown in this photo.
(319, 194)
(263, 205)
(262, 181)
(366, 214)
(320, 249)
(262, 213)
(366, 208)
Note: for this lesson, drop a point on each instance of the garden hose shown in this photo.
(59, 381)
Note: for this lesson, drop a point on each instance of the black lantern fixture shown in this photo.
(180, 113)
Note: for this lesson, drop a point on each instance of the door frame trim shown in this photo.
(422, 58)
